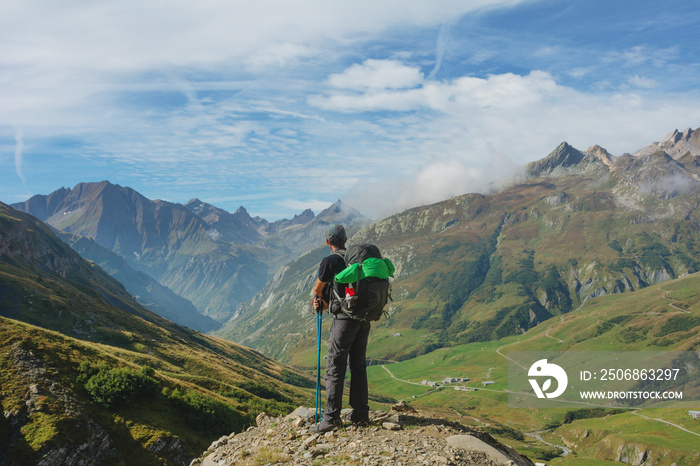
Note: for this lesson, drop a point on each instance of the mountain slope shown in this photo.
(91, 377)
(477, 268)
(146, 290)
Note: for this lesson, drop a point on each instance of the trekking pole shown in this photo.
(319, 323)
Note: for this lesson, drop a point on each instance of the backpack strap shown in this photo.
(333, 293)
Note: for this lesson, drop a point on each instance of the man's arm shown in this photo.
(318, 287)
(318, 291)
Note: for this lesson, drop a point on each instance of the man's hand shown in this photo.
(318, 305)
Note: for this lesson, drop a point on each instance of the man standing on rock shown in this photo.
(348, 339)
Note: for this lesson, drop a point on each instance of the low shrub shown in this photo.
(117, 386)
(204, 412)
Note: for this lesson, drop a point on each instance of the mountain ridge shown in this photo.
(213, 258)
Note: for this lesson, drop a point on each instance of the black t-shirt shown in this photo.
(330, 266)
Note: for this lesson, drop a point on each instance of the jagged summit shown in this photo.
(567, 160)
(304, 217)
(677, 144)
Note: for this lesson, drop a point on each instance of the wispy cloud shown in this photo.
(440, 47)
(639, 81)
(642, 55)
(19, 147)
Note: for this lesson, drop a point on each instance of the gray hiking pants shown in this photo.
(348, 340)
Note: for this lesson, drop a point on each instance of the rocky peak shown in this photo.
(42, 206)
(564, 160)
(601, 154)
(676, 136)
(303, 218)
(338, 212)
(196, 206)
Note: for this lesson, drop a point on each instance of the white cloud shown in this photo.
(437, 180)
(578, 72)
(377, 75)
(639, 81)
(502, 91)
(130, 34)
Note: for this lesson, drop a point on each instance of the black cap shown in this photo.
(336, 232)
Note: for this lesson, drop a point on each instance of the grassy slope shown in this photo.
(57, 311)
(217, 369)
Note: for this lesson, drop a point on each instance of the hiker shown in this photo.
(348, 338)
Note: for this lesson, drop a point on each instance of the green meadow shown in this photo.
(661, 317)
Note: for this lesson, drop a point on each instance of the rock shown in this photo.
(391, 426)
(472, 443)
(311, 441)
(263, 418)
(218, 443)
(403, 407)
(303, 413)
(321, 449)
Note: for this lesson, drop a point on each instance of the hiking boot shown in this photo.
(326, 426)
(349, 419)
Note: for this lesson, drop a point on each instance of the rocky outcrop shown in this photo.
(46, 394)
(601, 154)
(401, 437)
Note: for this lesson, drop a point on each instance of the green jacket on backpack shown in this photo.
(371, 267)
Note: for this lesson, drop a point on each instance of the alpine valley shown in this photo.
(583, 251)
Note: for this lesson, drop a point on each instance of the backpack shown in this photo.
(365, 299)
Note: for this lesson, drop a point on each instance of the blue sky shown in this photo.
(285, 105)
